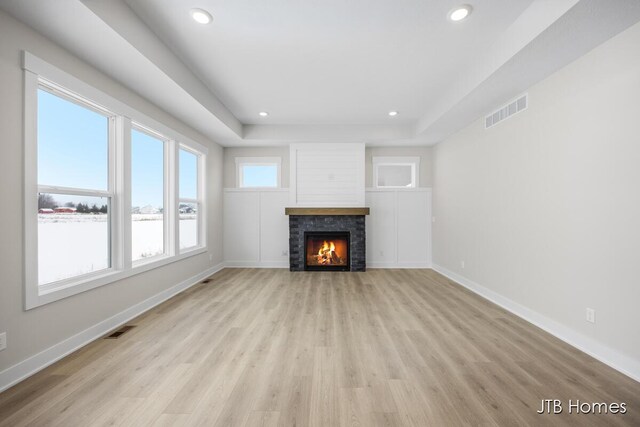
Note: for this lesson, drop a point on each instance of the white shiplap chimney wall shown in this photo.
(327, 174)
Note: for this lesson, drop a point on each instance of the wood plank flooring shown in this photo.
(274, 348)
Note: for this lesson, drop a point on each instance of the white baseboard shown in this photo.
(256, 264)
(36, 363)
(605, 354)
(415, 265)
(285, 264)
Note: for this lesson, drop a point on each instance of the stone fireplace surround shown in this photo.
(351, 220)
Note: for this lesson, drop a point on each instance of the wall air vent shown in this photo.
(506, 111)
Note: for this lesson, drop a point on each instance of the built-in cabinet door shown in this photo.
(414, 219)
(256, 230)
(399, 228)
(381, 228)
(274, 228)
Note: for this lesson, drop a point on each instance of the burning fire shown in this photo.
(327, 254)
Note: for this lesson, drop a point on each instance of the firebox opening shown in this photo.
(327, 250)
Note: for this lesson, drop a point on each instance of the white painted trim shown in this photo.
(258, 161)
(256, 190)
(122, 188)
(51, 189)
(285, 264)
(199, 201)
(605, 354)
(398, 265)
(30, 189)
(388, 190)
(395, 160)
(37, 362)
(256, 264)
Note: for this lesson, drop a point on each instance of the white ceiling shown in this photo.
(330, 61)
(327, 70)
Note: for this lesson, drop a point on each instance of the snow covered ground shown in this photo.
(73, 244)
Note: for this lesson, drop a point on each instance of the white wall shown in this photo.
(399, 228)
(256, 230)
(426, 162)
(30, 332)
(544, 208)
(230, 154)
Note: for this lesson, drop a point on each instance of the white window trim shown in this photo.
(258, 161)
(199, 201)
(37, 71)
(167, 214)
(413, 161)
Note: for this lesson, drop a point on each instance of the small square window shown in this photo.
(258, 172)
(396, 172)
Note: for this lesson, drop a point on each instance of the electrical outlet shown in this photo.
(591, 315)
(285, 253)
(462, 264)
(381, 253)
(3, 341)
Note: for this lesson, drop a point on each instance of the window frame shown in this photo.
(167, 214)
(413, 162)
(38, 72)
(109, 193)
(198, 201)
(241, 162)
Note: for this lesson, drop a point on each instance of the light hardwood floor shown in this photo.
(269, 347)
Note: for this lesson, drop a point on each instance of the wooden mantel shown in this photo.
(326, 211)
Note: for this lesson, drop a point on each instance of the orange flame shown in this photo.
(327, 253)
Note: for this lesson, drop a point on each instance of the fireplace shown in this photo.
(343, 230)
(327, 250)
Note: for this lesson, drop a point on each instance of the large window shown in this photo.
(147, 195)
(74, 191)
(189, 203)
(258, 172)
(109, 192)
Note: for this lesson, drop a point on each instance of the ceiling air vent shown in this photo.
(507, 111)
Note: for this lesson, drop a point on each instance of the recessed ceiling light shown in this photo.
(201, 16)
(393, 113)
(263, 114)
(460, 13)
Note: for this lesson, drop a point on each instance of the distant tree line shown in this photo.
(84, 208)
(46, 201)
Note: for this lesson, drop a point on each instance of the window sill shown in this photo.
(42, 297)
